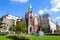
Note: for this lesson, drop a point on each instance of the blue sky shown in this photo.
(40, 7)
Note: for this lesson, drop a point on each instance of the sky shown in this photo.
(40, 7)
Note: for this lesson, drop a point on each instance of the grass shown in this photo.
(4, 38)
(33, 37)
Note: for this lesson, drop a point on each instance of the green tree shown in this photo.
(20, 27)
(44, 28)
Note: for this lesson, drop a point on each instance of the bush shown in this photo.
(55, 34)
(3, 33)
(18, 36)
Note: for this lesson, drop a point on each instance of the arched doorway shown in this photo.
(30, 29)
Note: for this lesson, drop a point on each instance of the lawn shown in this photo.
(4, 38)
(33, 37)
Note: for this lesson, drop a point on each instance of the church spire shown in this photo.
(30, 9)
(30, 6)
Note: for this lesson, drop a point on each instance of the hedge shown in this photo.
(55, 34)
(18, 36)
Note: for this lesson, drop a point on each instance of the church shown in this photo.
(31, 21)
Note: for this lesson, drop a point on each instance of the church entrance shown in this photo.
(30, 29)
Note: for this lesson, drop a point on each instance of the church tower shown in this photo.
(30, 20)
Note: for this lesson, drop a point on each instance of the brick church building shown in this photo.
(31, 21)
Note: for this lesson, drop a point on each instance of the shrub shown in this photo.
(18, 36)
(55, 34)
(3, 33)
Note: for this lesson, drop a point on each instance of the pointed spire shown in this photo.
(30, 6)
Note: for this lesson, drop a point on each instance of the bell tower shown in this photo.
(30, 20)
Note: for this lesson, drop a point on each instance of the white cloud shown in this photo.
(57, 17)
(54, 9)
(41, 12)
(22, 1)
(46, 10)
(55, 5)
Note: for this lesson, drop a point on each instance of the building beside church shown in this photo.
(9, 21)
(52, 25)
(46, 21)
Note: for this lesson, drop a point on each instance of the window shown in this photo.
(30, 20)
(13, 22)
(30, 17)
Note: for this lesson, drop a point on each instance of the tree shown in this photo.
(44, 28)
(20, 27)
